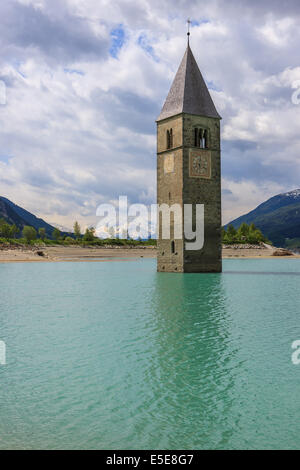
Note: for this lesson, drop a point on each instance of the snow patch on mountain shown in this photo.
(294, 194)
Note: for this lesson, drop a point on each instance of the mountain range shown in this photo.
(14, 214)
(278, 218)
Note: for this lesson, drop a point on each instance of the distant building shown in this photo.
(188, 168)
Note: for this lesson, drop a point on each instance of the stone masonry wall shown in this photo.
(204, 191)
(175, 186)
(169, 191)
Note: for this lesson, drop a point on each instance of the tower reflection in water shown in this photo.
(191, 375)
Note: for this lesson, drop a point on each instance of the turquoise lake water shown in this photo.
(117, 356)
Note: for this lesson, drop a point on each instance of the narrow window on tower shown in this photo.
(202, 139)
(196, 137)
(205, 139)
(173, 247)
(168, 139)
(199, 138)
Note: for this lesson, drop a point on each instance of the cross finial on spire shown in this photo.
(188, 33)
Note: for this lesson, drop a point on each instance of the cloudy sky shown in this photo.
(85, 80)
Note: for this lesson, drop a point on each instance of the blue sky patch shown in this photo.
(5, 158)
(117, 40)
(143, 42)
(212, 86)
(201, 21)
(74, 71)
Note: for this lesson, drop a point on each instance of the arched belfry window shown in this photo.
(205, 139)
(196, 143)
(201, 138)
(169, 138)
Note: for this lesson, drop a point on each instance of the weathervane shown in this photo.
(188, 33)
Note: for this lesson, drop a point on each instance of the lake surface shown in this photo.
(117, 356)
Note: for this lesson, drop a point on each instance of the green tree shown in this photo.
(42, 233)
(56, 234)
(89, 235)
(5, 230)
(231, 233)
(14, 231)
(243, 230)
(225, 238)
(29, 233)
(259, 235)
(77, 230)
(244, 234)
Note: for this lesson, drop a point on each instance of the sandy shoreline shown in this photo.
(74, 253)
(102, 254)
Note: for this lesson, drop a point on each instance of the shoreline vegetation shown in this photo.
(33, 246)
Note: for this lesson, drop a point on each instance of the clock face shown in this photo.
(200, 164)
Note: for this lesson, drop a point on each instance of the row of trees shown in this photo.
(244, 234)
(29, 233)
(89, 235)
(10, 232)
(7, 230)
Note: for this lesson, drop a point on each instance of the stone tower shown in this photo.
(188, 169)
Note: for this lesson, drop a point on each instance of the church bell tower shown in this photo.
(188, 170)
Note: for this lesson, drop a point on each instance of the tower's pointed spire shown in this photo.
(188, 33)
(188, 93)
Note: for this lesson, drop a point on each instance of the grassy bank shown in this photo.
(69, 242)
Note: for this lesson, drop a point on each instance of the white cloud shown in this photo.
(78, 128)
(278, 31)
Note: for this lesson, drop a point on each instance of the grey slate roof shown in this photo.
(188, 93)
